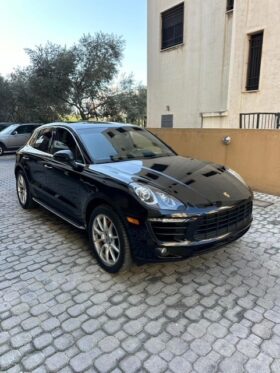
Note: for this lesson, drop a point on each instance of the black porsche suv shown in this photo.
(136, 198)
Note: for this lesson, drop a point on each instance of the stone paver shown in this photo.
(219, 312)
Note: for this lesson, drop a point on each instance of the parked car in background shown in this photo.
(4, 125)
(131, 192)
(16, 135)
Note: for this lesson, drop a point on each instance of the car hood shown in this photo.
(194, 182)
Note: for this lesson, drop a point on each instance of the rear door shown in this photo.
(37, 154)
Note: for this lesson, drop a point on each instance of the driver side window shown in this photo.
(20, 130)
(42, 140)
(63, 140)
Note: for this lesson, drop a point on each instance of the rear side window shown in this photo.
(30, 129)
(42, 140)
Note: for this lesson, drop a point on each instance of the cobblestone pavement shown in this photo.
(59, 312)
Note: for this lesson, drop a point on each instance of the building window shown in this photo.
(254, 63)
(230, 5)
(172, 26)
(167, 121)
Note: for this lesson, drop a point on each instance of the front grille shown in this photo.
(204, 227)
(223, 222)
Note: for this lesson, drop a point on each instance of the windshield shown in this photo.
(8, 130)
(122, 143)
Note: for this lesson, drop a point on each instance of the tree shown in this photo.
(80, 76)
(68, 82)
(29, 104)
(127, 103)
(5, 100)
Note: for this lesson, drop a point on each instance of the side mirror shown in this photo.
(66, 156)
(15, 133)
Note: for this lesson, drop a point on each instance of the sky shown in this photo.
(27, 23)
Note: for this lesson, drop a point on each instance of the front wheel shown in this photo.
(109, 240)
(23, 192)
(2, 149)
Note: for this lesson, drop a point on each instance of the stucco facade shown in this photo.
(202, 82)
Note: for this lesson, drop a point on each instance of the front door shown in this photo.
(68, 193)
(19, 137)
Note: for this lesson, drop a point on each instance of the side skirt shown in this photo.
(59, 214)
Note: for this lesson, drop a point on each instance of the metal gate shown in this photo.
(269, 121)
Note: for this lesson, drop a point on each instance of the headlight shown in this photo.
(155, 198)
(235, 174)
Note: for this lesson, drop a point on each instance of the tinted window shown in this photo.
(42, 140)
(30, 129)
(113, 144)
(19, 130)
(63, 140)
(25, 129)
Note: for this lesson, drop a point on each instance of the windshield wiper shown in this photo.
(157, 155)
(117, 158)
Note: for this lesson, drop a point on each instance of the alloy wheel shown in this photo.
(22, 189)
(106, 239)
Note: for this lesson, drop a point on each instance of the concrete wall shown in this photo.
(193, 77)
(255, 154)
(207, 74)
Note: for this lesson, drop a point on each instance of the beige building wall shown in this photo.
(251, 16)
(202, 82)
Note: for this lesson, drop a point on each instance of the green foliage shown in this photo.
(77, 77)
(28, 104)
(63, 82)
(6, 102)
(127, 103)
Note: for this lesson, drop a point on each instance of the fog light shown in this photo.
(163, 251)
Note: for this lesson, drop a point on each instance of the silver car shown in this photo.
(15, 136)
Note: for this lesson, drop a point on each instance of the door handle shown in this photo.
(25, 157)
(47, 166)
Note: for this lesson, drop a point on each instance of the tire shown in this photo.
(23, 191)
(104, 242)
(2, 149)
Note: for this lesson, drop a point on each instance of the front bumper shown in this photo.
(168, 239)
(146, 250)
(195, 248)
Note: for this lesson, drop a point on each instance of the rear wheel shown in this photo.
(109, 240)
(23, 192)
(2, 149)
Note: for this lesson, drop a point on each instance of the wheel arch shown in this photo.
(18, 168)
(94, 202)
(3, 146)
